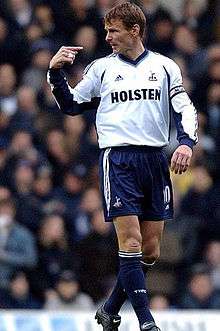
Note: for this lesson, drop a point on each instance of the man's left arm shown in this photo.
(185, 117)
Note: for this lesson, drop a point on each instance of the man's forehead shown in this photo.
(114, 23)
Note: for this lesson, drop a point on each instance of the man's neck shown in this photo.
(134, 52)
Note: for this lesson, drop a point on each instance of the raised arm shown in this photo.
(70, 100)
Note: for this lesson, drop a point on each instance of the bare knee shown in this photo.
(132, 244)
(128, 233)
(151, 252)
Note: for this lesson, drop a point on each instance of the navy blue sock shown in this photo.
(132, 280)
(119, 295)
(116, 299)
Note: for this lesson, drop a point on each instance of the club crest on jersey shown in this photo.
(118, 78)
(152, 77)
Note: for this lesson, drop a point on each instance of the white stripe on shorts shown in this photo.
(107, 188)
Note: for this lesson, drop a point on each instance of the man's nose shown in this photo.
(108, 37)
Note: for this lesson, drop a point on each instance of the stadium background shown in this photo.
(58, 253)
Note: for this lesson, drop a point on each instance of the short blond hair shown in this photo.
(130, 14)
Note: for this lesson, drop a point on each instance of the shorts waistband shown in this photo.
(137, 148)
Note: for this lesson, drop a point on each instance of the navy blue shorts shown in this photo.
(135, 180)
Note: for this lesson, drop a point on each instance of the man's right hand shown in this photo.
(66, 54)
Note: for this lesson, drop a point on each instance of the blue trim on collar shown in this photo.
(133, 62)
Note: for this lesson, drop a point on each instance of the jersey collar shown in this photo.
(133, 62)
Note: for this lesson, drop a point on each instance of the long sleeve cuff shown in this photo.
(55, 76)
(187, 141)
(61, 91)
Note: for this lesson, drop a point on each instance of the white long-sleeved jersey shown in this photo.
(137, 98)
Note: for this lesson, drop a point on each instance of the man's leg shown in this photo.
(151, 232)
(131, 275)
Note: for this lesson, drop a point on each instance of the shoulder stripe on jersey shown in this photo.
(102, 76)
(88, 67)
(91, 64)
(168, 78)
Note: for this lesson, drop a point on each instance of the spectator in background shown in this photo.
(19, 296)
(22, 160)
(198, 193)
(207, 144)
(4, 136)
(102, 248)
(43, 16)
(86, 36)
(161, 37)
(212, 259)
(67, 294)
(73, 131)
(186, 44)
(4, 193)
(55, 254)
(23, 179)
(35, 74)
(90, 144)
(33, 33)
(8, 99)
(13, 46)
(159, 302)
(80, 226)
(71, 192)
(43, 186)
(4, 178)
(17, 245)
(199, 205)
(212, 99)
(47, 105)
(21, 11)
(78, 13)
(43, 194)
(25, 117)
(29, 215)
(21, 148)
(187, 83)
(200, 293)
(198, 16)
(204, 96)
(57, 154)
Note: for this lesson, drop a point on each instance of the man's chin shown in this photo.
(115, 50)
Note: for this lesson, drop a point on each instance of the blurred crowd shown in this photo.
(56, 252)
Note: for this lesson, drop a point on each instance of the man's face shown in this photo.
(118, 36)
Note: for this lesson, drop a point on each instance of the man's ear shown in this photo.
(135, 30)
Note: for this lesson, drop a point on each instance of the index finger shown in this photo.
(74, 48)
